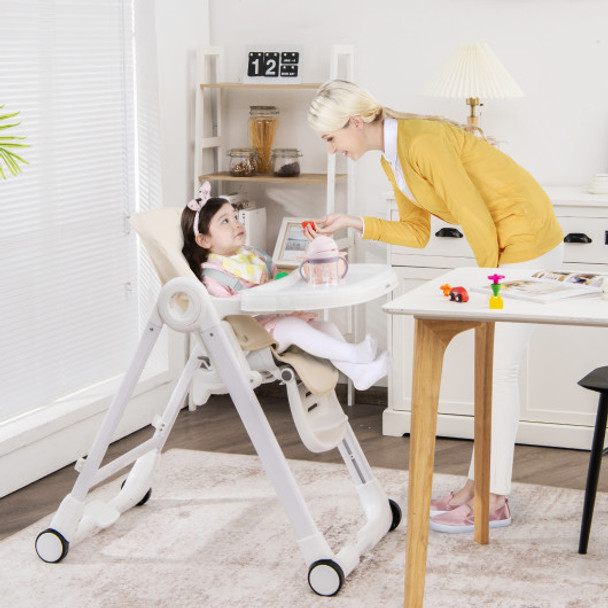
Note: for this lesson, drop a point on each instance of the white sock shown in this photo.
(366, 350)
(365, 375)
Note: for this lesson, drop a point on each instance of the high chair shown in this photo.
(233, 354)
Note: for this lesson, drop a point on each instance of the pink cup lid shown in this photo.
(322, 246)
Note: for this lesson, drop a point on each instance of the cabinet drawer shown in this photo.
(587, 243)
(585, 239)
(446, 241)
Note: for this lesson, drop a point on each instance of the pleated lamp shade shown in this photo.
(472, 70)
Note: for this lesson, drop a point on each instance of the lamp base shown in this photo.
(473, 119)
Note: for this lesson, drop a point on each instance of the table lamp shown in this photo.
(472, 71)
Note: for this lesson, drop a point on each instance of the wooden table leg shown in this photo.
(484, 350)
(430, 341)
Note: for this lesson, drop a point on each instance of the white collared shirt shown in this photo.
(391, 156)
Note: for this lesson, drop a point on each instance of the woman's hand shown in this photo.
(337, 221)
(309, 229)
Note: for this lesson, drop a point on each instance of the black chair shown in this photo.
(597, 381)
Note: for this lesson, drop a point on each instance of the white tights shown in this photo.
(510, 341)
(323, 339)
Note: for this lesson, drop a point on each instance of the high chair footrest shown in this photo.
(328, 423)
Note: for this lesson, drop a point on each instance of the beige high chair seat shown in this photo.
(230, 354)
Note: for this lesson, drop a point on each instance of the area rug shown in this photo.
(213, 535)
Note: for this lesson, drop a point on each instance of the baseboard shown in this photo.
(396, 423)
(42, 446)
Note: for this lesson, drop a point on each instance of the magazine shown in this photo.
(551, 285)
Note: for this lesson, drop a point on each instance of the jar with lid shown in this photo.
(285, 162)
(243, 162)
(263, 123)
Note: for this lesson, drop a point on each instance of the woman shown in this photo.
(437, 167)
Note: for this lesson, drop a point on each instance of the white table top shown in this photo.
(363, 283)
(428, 302)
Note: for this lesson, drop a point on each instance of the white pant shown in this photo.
(323, 339)
(510, 341)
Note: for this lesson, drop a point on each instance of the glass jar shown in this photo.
(243, 162)
(285, 162)
(263, 123)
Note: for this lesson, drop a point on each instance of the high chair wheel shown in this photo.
(51, 546)
(396, 511)
(325, 577)
(144, 500)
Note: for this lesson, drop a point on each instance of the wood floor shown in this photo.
(216, 427)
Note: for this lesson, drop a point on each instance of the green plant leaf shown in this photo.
(12, 145)
(8, 143)
(10, 163)
(15, 124)
(5, 116)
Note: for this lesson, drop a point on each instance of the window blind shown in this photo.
(68, 261)
(148, 167)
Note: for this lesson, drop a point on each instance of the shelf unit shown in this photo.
(209, 112)
(217, 141)
(210, 150)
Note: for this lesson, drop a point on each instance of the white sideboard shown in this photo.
(555, 411)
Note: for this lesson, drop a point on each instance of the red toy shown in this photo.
(310, 223)
(459, 294)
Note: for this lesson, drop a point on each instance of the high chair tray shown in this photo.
(363, 283)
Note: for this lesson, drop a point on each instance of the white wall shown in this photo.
(557, 51)
(181, 28)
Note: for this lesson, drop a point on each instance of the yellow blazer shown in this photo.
(505, 215)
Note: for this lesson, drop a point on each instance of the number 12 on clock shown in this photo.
(273, 66)
(263, 64)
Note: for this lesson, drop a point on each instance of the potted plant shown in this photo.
(8, 143)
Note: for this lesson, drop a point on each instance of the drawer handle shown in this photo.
(452, 233)
(577, 237)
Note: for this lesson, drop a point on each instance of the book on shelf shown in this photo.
(551, 285)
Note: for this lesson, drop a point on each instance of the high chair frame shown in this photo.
(185, 306)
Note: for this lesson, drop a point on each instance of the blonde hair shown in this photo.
(336, 101)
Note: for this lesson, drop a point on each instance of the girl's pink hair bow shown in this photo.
(204, 192)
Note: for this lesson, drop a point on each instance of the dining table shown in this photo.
(438, 318)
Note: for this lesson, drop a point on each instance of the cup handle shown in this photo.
(301, 269)
(345, 267)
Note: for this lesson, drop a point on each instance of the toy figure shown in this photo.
(496, 299)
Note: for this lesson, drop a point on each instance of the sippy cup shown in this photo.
(324, 264)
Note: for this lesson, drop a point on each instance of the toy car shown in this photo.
(459, 294)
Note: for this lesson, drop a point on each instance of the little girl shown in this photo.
(214, 246)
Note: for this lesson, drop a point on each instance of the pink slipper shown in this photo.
(462, 519)
(443, 504)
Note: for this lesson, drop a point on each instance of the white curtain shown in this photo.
(68, 260)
